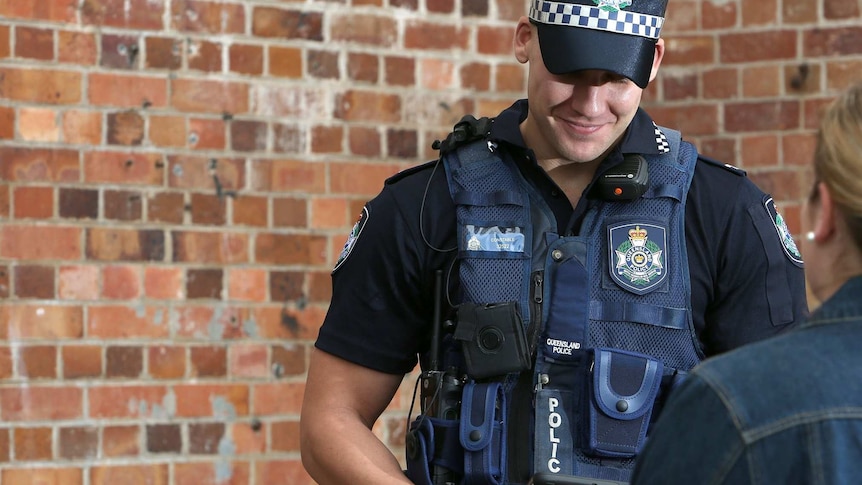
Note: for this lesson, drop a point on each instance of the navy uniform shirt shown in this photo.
(747, 279)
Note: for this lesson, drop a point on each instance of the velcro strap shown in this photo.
(483, 437)
(639, 313)
(500, 197)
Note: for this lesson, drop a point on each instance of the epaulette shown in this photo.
(408, 171)
(465, 131)
(726, 166)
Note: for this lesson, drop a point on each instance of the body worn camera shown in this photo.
(492, 339)
(626, 181)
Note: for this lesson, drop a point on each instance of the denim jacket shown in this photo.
(786, 410)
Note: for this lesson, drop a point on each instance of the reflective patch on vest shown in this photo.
(494, 239)
(784, 235)
(351, 239)
(637, 256)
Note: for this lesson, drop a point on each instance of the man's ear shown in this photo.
(657, 58)
(524, 34)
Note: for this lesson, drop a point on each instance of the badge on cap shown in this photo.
(612, 5)
(787, 241)
(352, 238)
(637, 256)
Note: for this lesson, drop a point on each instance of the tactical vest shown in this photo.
(605, 318)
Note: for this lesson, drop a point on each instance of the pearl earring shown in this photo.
(809, 235)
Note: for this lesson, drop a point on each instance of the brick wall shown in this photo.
(177, 178)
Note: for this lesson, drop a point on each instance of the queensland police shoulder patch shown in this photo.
(784, 235)
(351, 238)
(637, 256)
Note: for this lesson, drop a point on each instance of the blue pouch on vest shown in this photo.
(483, 436)
(624, 388)
(432, 445)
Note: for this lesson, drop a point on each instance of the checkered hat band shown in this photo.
(585, 16)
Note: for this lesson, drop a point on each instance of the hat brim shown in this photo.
(569, 49)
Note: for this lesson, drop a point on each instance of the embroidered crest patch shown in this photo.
(351, 238)
(612, 5)
(637, 256)
(787, 242)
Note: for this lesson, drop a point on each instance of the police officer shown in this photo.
(590, 258)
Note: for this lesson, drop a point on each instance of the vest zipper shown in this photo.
(536, 300)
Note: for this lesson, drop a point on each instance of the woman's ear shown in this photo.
(825, 214)
(524, 34)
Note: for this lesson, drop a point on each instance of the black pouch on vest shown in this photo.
(624, 387)
(492, 338)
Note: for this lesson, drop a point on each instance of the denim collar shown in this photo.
(845, 304)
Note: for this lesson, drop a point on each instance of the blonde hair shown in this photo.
(838, 157)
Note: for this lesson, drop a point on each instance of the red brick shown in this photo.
(207, 134)
(246, 59)
(106, 244)
(5, 44)
(290, 24)
(37, 362)
(204, 283)
(782, 185)
(760, 151)
(422, 35)
(36, 164)
(32, 444)
(124, 168)
(82, 127)
(32, 281)
(210, 247)
(205, 322)
(247, 440)
(290, 360)
(38, 124)
(114, 322)
(79, 203)
(189, 172)
(33, 43)
(764, 116)
(440, 6)
(208, 361)
(718, 15)
(168, 131)
(125, 128)
(208, 210)
(359, 178)
(805, 78)
(250, 211)
(82, 361)
(329, 213)
(492, 40)
(167, 362)
(164, 53)
(122, 205)
(204, 438)
(163, 283)
(246, 284)
(125, 401)
(761, 81)
(280, 322)
(6, 372)
(78, 442)
(285, 61)
(149, 474)
(288, 175)
(289, 139)
(120, 441)
(369, 107)
(121, 282)
(758, 46)
(720, 83)
(248, 135)
(38, 403)
(204, 55)
(7, 122)
(207, 473)
(197, 96)
(400, 71)
(362, 67)
(840, 9)
(166, 207)
(207, 17)
(696, 119)
(476, 76)
(290, 212)
(40, 86)
(212, 400)
(510, 77)
(320, 285)
(40, 242)
(78, 283)
(290, 249)
(127, 91)
(364, 29)
(278, 398)
(33, 202)
(147, 14)
(798, 150)
(402, 143)
(327, 139)
(120, 51)
(798, 11)
(364, 141)
(77, 47)
(164, 438)
(759, 13)
(249, 361)
(689, 50)
(42, 476)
